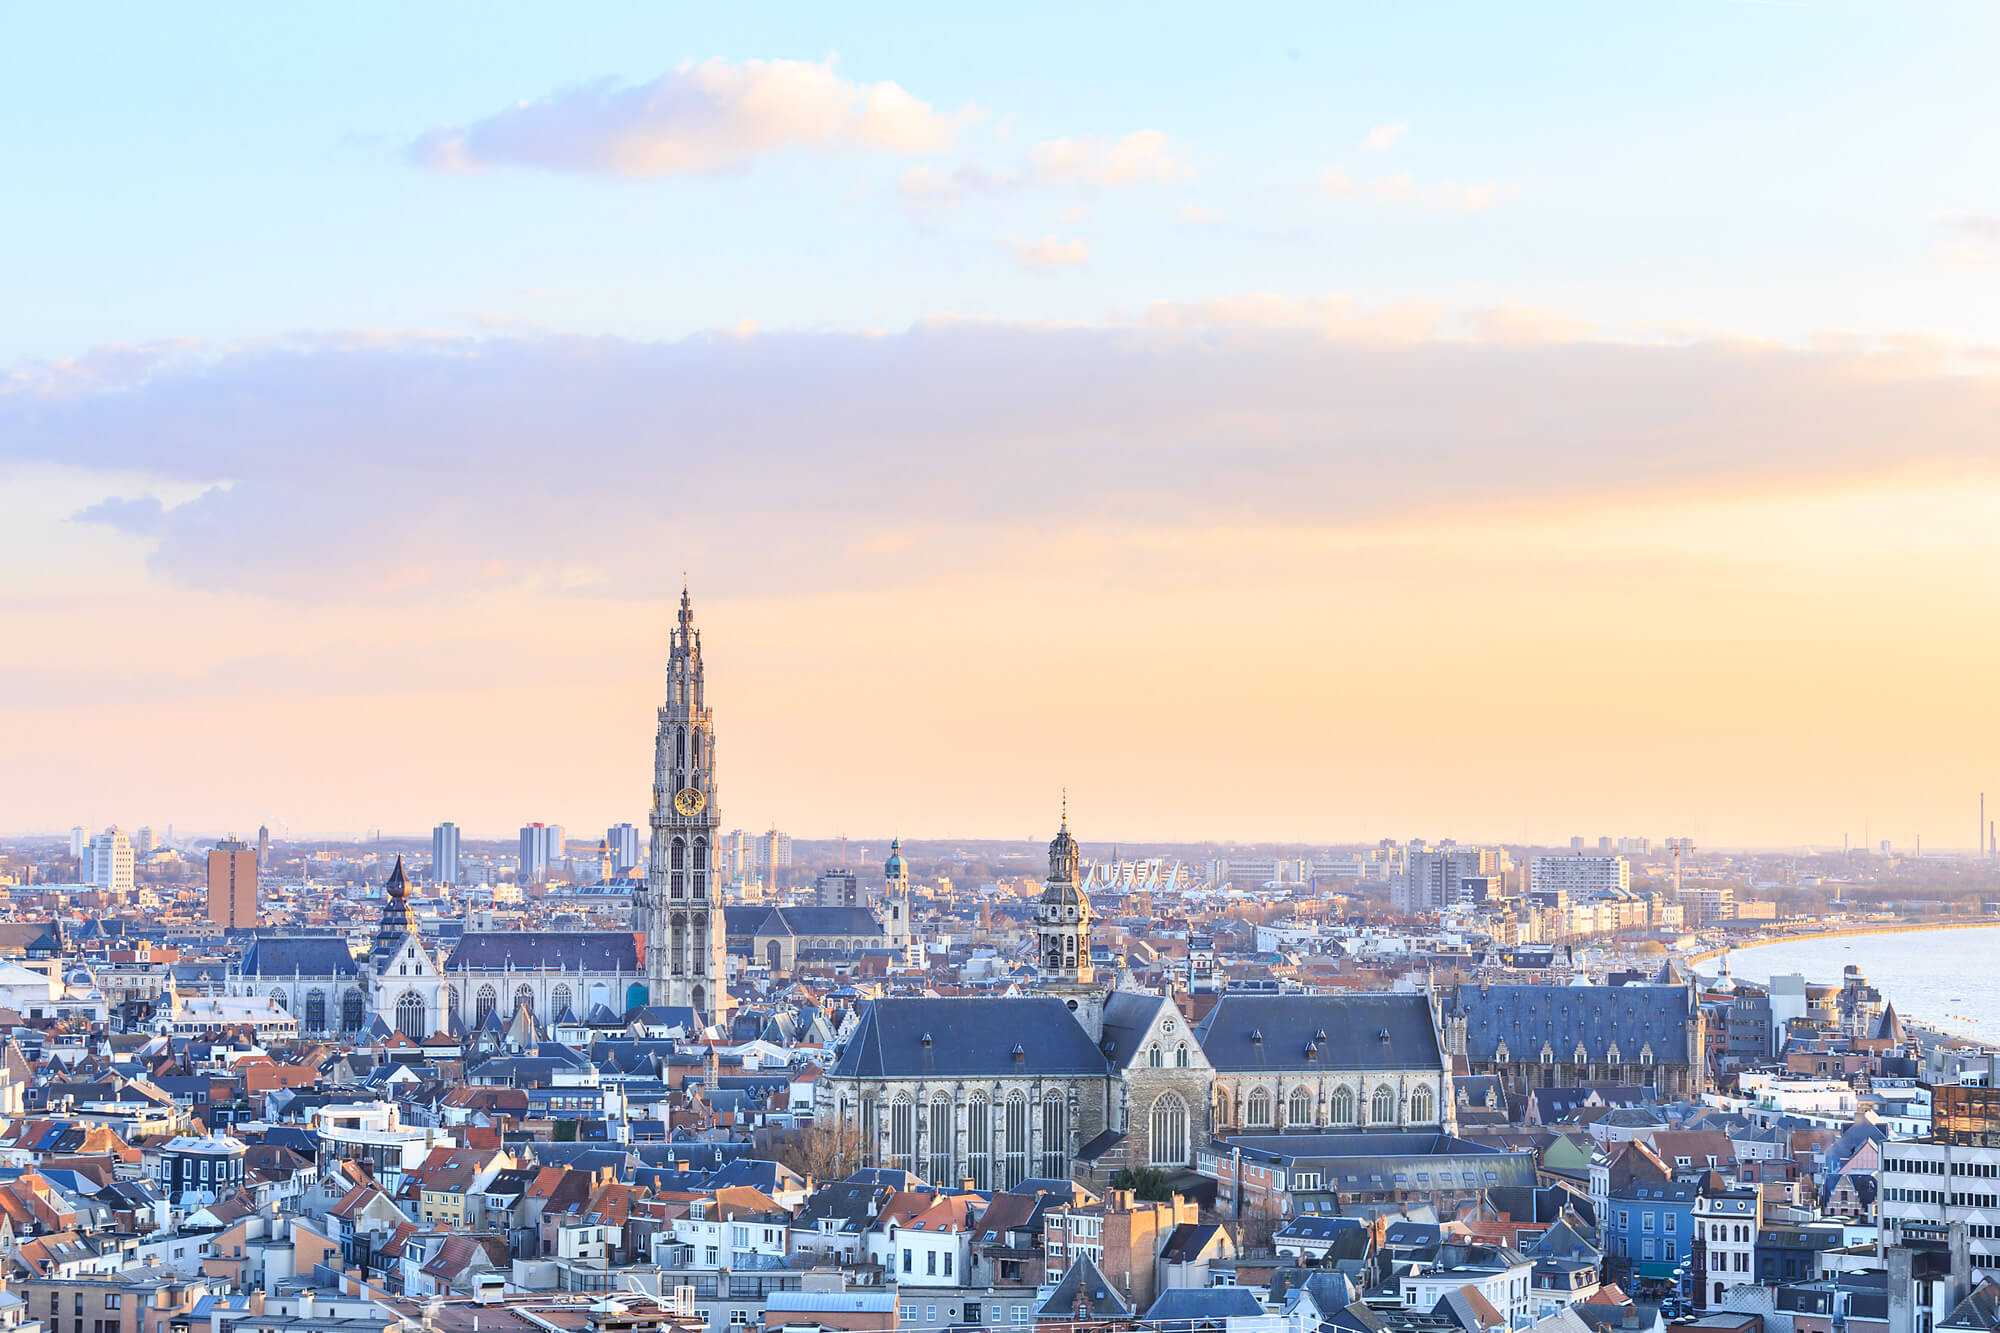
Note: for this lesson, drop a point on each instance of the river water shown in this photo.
(1948, 979)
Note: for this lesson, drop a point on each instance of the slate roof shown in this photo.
(1128, 1016)
(1526, 1017)
(576, 950)
(815, 921)
(1980, 1310)
(1185, 1243)
(307, 956)
(1346, 1031)
(970, 1037)
(1083, 1285)
(1204, 1303)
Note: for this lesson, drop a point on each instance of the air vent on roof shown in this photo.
(1257, 1036)
(1020, 1056)
(927, 1039)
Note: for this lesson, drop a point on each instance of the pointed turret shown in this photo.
(1890, 1027)
(397, 920)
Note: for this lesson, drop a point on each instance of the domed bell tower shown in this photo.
(1062, 927)
(896, 906)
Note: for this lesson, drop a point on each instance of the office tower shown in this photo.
(558, 844)
(777, 858)
(538, 852)
(837, 888)
(1576, 846)
(1434, 877)
(143, 842)
(740, 849)
(263, 848)
(107, 861)
(232, 885)
(681, 910)
(1604, 846)
(444, 853)
(623, 839)
(79, 838)
(1582, 877)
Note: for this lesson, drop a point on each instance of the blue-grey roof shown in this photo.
(1128, 1016)
(1082, 1285)
(576, 950)
(1597, 1017)
(1245, 1033)
(817, 921)
(306, 956)
(1204, 1303)
(969, 1037)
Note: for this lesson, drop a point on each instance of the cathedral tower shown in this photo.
(681, 914)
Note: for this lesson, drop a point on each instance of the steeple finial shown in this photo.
(1065, 807)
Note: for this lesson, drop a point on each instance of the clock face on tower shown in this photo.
(689, 801)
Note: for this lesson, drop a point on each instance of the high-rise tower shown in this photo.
(682, 912)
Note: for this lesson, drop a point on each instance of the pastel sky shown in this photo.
(1316, 422)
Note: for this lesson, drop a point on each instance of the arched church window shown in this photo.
(483, 1007)
(1181, 1056)
(524, 998)
(1300, 1111)
(1153, 1057)
(1422, 1106)
(1257, 1111)
(940, 1135)
(451, 1001)
(278, 997)
(903, 1133)
(679, 853)
(1342, 1110)
(1168, 1143)
(316, 1010)
(1017, 1139)
(410, 1016)
(1055, 1137)
(680, 747)
(701, 853)
(978, 1143)
(1382, 1109)
(559, 1000)
(351, 1009)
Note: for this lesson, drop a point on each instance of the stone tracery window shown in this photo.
(1168, 1142)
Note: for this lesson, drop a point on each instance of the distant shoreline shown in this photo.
(1887, 928)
